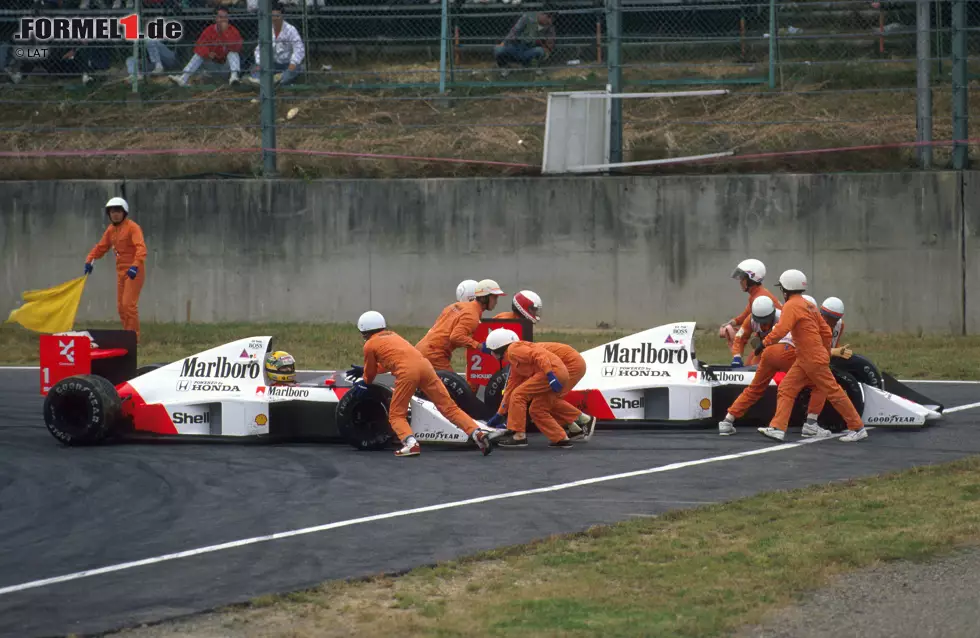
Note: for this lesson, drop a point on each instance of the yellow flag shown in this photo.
(50, 310)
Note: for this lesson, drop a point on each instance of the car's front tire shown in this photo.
(363, 421)
(82, 410)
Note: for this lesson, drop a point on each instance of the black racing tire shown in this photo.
(461, 393)
(829, 417)
(82, 410)
(494, 393)
(861, 368)
(150, 367)
(363, 421)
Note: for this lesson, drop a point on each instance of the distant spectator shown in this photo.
(287, 48)
(156, 54)
(530, 41)
(217, 49)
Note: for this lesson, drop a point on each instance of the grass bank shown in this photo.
(702, 572)
(332, 346)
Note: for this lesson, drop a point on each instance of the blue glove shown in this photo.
(497, 421)
(355, 371)
(553, 382)
(88, 268)
(359, 388)
(737, 361)
(131, 273)
(485, 349)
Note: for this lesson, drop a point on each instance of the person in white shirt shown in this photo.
(287, 49)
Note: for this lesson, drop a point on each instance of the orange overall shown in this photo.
(778, 358)
(817, 398)
(510, 314)
(126, 240)
(528, 387)
(746, 315)
(812, 336)
(387, 351)
(453, 329)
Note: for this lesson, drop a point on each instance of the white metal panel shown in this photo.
(576, 131)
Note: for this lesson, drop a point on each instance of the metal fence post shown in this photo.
(137, 57)
(615, 28)
(266, 73)
(960, 114)
(773, 28)
(923, 95)
(443, 46)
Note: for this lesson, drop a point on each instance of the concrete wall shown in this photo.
(629, 252)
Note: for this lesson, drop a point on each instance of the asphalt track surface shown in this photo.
(64, 511)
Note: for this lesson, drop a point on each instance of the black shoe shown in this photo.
(510, 441)
(562, 443)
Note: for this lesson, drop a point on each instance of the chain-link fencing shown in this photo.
(382, 84)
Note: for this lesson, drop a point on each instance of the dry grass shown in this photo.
(496, 124)
(702, 572)
(334, 346)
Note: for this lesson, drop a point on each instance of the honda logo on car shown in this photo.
(183, 417)
(642, 372)
(646, 353)
(206, 386)
(621, 403)
(221, 369)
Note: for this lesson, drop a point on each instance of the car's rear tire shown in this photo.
(363, 421)
(494, 393)
(462, 395)
(82, 410)
(861, 369)
(829, 417)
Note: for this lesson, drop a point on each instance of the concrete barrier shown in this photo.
(629, 252)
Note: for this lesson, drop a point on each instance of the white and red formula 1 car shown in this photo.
(94, 393)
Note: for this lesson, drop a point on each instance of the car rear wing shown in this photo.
(107, 353)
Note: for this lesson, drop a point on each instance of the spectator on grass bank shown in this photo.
(155, 54)
(217, 50)
(531, 40)
(287, 49)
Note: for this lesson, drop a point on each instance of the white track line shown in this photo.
(400, 513)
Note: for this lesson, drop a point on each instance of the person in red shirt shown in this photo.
(217, 50)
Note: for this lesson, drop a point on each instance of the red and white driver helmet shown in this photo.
(528, 303)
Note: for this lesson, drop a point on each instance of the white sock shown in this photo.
(812, 418)
(730, 418)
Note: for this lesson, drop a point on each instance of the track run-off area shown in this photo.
(96, 539)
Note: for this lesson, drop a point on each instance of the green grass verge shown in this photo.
(700, 572)
(333, 346)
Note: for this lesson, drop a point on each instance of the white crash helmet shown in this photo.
(754, 269)
(528, 303)
(466, 290)
(792, 281)
(763, 309)
(810, 299)
(371, 320)
(117, 201)
(833, 307)
(487, 287)
(500, 338)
